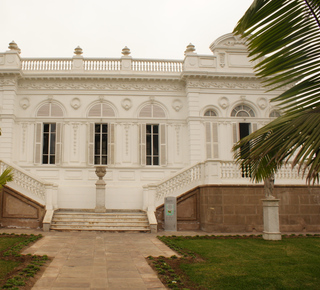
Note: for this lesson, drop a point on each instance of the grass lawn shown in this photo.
(248, 263)
(15, 269)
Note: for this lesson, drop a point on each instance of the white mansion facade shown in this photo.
(160, 126)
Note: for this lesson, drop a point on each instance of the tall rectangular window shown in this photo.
(152, 144)
(101, 144)
(244, 130)
(49, 143)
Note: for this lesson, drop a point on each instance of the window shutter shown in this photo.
(91, 144)
(215, 140)
(208, 140)
(142, 142)
(234, 132)
(212, 140)
(111, 142)
(38, 143)
(254, 127)
(58, 143)
(163, 145)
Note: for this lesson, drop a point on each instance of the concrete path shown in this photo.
(97, 260)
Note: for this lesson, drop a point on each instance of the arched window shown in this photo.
(242, 111)
(210, 113)
(101, 110)
(101, 136)
(50, 110)
(152, 111)
(48, 135)
(274, 114)
(153, 140)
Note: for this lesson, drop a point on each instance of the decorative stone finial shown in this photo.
(14, 46)
(190, 49)
(78, 50)
(126, 51)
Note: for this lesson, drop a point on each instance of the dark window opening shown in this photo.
(244, 130)
(101, 144)
(49, 143)
(152, 142)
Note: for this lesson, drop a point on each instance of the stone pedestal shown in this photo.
(100, 189)
(271, 219)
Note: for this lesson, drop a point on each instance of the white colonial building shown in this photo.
(161, 127)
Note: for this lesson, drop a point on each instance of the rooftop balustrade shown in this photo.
(101, 65)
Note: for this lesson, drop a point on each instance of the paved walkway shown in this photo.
(97, 260)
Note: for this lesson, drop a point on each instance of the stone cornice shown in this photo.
(101, 84)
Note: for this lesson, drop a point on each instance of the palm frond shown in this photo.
(284, 37)
(6, 176)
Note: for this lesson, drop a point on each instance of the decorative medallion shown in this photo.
(262, 103)
(224, 102)
(126, 104)
(177, 105)
(24, 103)
(75, 103)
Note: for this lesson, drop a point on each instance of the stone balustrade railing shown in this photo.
(102, 65)
(46, 64)
(30, 185)
(96, 64)
(208, 172)
(189, 176)
(157, 65)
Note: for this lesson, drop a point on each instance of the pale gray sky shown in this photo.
(151, 29)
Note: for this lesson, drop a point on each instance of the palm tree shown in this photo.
(6, 176)
(283, 37)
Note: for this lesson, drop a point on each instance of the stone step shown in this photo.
(71, 227)
(99, 216)
(93, 223)
(133, 221)
(97, 220)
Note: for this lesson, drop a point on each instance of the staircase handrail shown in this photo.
(26, 180)
(186, 176)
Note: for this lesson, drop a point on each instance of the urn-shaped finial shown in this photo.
(126, 51)
(190, 49)
(78, 50)
(101, 171)
(14, 46)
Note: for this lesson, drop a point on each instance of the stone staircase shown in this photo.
(112, 221)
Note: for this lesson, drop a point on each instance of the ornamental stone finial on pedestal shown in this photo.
(126, 51)
(190, 49)
(100, 189)
(78, 50)
(101, 172)
(14, 46)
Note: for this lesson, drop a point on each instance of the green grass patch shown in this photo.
(246, 263)
(15, 269)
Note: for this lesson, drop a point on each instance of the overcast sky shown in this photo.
(151, 29)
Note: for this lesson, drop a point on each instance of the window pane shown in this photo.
(45, 145)
(155, 129)
(96, 160)
(104, 160)
(53, 127)
(149, 160)
(97, 128)
(148, 144)
(97, 144)
(104, 128)
(155, 145)
(45, 127)
(155, 160)
(104, 144)
(53, 143)
(45, 159)
(148, 127)
(52, 159)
